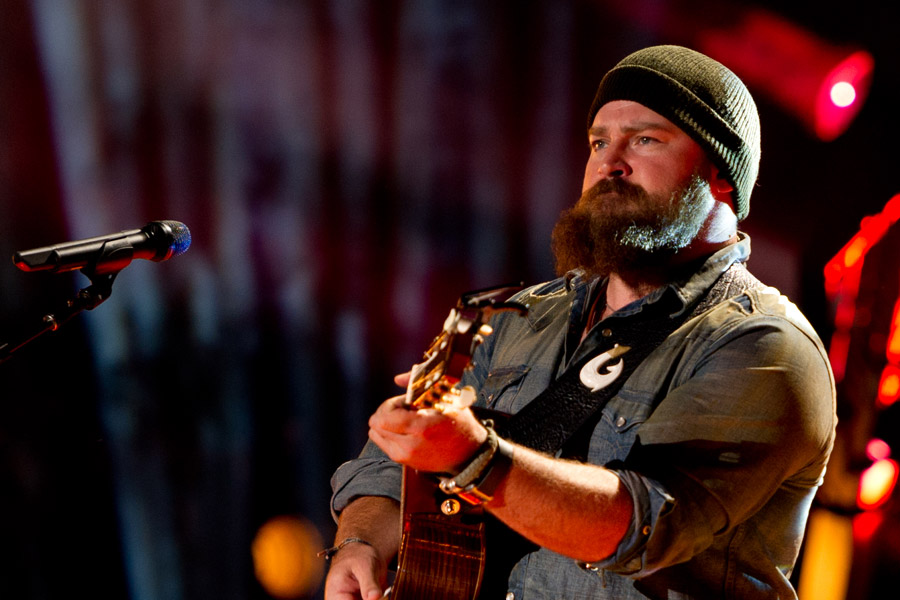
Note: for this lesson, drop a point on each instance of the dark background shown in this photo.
(346, 168)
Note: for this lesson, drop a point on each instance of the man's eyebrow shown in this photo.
(635, 127)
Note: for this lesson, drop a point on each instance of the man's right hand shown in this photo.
(357, 571)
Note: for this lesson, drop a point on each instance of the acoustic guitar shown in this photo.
(443, 546)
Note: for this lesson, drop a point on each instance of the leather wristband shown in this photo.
(477, 482)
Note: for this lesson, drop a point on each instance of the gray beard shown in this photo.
(675, 228)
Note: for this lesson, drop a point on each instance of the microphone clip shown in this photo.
(87, 298)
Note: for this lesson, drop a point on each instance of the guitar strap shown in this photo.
(568, 407)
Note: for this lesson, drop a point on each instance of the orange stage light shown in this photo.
(284, 557)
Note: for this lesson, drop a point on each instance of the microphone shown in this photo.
(156, 241)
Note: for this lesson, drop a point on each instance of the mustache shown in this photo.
(614, 185)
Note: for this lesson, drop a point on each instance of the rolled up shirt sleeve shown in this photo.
(370, 474)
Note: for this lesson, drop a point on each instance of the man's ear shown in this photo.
(717, 182)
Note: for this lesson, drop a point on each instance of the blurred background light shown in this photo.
(877, 483)
(284, 557)
(843, 94)
(821, 84)
(825, 569)
(877, 449)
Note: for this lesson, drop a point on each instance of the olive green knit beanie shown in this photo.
(705, 99)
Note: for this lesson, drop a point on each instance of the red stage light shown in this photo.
(842, 279)
(865, 525)
(840, 95)
(823, 85)
(877, 449)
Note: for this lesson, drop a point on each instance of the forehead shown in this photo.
(627, 114)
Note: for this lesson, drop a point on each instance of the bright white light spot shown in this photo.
(843, 94)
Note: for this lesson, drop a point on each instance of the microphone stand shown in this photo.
(86, 299)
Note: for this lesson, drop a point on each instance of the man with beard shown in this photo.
(672, 416)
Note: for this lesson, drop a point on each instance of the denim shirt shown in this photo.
(721, 436)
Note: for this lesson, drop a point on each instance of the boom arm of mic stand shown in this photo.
(87, 299)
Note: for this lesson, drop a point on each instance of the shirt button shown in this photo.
(510, 596)
(620, 422)
(606, 332)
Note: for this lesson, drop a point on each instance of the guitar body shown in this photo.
(442, 556)
(461, 556)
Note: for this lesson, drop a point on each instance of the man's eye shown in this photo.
(645, 140)
(597, 145)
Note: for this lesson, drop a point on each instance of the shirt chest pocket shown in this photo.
(501, 387)
(621, 419)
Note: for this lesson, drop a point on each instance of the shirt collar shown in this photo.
(695, 286)
(683, 293)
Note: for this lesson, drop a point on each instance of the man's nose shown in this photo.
(613, 164)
